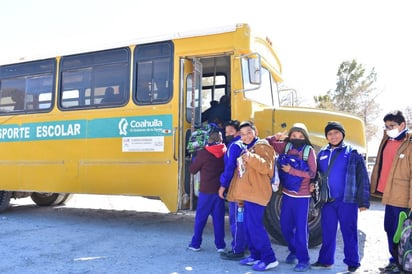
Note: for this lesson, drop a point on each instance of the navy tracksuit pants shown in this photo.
(209, 204)
(390, 225)
(294, 225)
(237, 229)
(346, 214)
(256, 235)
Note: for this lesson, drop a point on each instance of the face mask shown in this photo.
(229, 138)
(393, 133)
(297, 143)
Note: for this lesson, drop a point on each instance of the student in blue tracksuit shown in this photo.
(234, 149)
(251, 187)
(297, 194)
(350, 191)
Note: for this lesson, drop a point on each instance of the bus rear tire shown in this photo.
(49, 199)
(4, 199)
(272, 221)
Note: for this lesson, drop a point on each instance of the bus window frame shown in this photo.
(26, 73)
(92, 68)
(157, 79)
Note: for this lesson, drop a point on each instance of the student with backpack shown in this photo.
(235, 147)
(349, 186)
(392, 177)
(209, 161)
(250, 186)
(297, 166)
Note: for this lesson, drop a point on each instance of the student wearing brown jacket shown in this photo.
(251, 189)
(392, 177)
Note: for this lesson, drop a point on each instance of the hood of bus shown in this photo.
(271, 121)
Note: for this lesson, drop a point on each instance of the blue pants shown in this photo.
(256, 235)
(390, 225)
(347, 216)
(237, 229)
(294, 225)
(209, 204)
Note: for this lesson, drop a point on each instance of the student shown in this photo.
(250, 188)
(296, 196)
(209, 161)
(391, 176)
(235, 147)
(218, 113)
(350, 190)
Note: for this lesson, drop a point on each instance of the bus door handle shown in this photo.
(174, 143)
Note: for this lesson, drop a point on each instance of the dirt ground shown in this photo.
(118, 234)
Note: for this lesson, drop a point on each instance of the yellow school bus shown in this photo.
(116, 121)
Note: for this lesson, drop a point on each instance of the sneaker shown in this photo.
(318, 265)
(301, 267)
(352, 268)
(395, 270)
(195, 249)
(291, 259)
(230, 255)
(249, 261)
(388, 268)
(220, 250)
(261, 266)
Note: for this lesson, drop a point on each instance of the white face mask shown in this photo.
(393, 133)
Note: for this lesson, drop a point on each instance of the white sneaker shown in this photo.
(261, 266)
(193, 248)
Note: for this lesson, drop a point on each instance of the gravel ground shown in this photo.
(118, 234)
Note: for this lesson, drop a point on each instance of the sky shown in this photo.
(311, 37)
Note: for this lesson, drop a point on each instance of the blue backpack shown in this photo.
(287, 180)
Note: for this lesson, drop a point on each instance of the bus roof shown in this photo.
(136, 41)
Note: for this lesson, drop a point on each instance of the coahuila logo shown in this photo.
(123, 124)
(139, 126)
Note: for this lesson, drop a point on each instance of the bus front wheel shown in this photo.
(272, 221)
(4, 199)
(49, 199)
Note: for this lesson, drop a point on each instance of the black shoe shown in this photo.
(318, 265)
(388, 268)
(230, 255)
(352, 268)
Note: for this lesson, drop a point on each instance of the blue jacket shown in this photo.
(234, 149)
(348, 178)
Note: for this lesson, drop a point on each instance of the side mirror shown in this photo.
(254, 68)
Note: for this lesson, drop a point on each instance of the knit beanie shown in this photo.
(334, 125)
(301, 128)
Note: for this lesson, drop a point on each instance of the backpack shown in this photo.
(198, 138)
(289, 181)
(403, 242)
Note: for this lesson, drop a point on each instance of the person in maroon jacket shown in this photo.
(210, 163)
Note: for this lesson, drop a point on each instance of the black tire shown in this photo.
(49, 199)
(4, 199)
(272, 223)
(67, 197)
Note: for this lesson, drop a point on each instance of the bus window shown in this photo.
(265, 94)
(85, 78)
(154, 70)
(22, 83)
(193, 111)
(213, 88)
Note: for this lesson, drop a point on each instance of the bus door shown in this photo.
(191, 82)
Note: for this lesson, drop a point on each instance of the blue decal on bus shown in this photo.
(156, 125)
